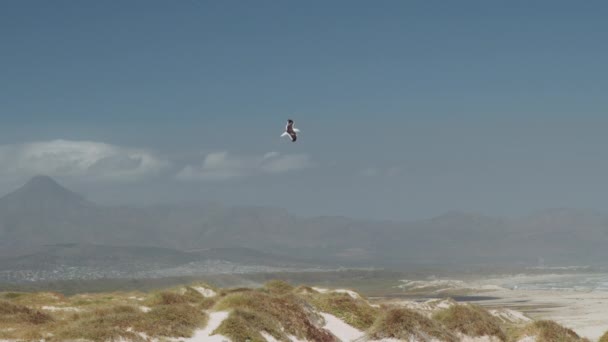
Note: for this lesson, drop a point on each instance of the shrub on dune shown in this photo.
(243, 325)
(102, 324)
(354, 311)
(278, 287)
(10, 312)
(287, 310)
(406, 324)
(184, 295)
(471, 320)
(549, 331)
(123, 321)
(179, 320)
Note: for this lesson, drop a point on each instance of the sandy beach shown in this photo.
(577, 301)
(584, 312)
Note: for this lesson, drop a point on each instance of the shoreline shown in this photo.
(584, 312)
(576, 301)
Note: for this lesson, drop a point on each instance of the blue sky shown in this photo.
(408, 109)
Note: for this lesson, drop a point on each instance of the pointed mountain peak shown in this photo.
(45, 189)
(43, 182)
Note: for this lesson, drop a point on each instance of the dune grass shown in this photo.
(173, 312)
(10, 312)
(356, 312)
(277, 308)
(549, 331)
(604, 337)
(242, 325)
(471, 320)
(181, 295)
(104, 324)
(177, 320)
(264, 310)
(278, 287)
(405, 324)
(21, 322)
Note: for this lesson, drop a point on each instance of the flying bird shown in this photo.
(291, 131)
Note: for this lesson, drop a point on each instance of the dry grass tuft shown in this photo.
(124, 321)
(10, 312)
(243, 325)
(549, 331)
(171, 298)
(604, 337)
(287, 310)
(405, 324)
(471, 320)
(11, 295)
(278, 287)
(178, 320)
(102, 324)
(184, 295)
(356, 312)
(304, 290)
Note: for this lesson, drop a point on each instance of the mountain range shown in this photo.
(43, 213)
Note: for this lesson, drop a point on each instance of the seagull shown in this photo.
(291, 131)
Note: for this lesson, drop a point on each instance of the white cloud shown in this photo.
(221, 166)
(78, 159)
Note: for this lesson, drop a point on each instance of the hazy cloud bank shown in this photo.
(98, 161)
(222, 166)
(79, 159)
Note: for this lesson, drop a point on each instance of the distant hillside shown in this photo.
(43, 212)
(276, 311)
(79, 262)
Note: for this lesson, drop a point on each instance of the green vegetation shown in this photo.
(403, 324)
(604, 337)
(549, 331)
(471, 320)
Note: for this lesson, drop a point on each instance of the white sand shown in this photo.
(340, 329)
(351, 293)
(465, 338)
(510, 316)
(428, 307)
(268, 337)
(295, 339)
(204, 335)
(205, 291)
(58, 308)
